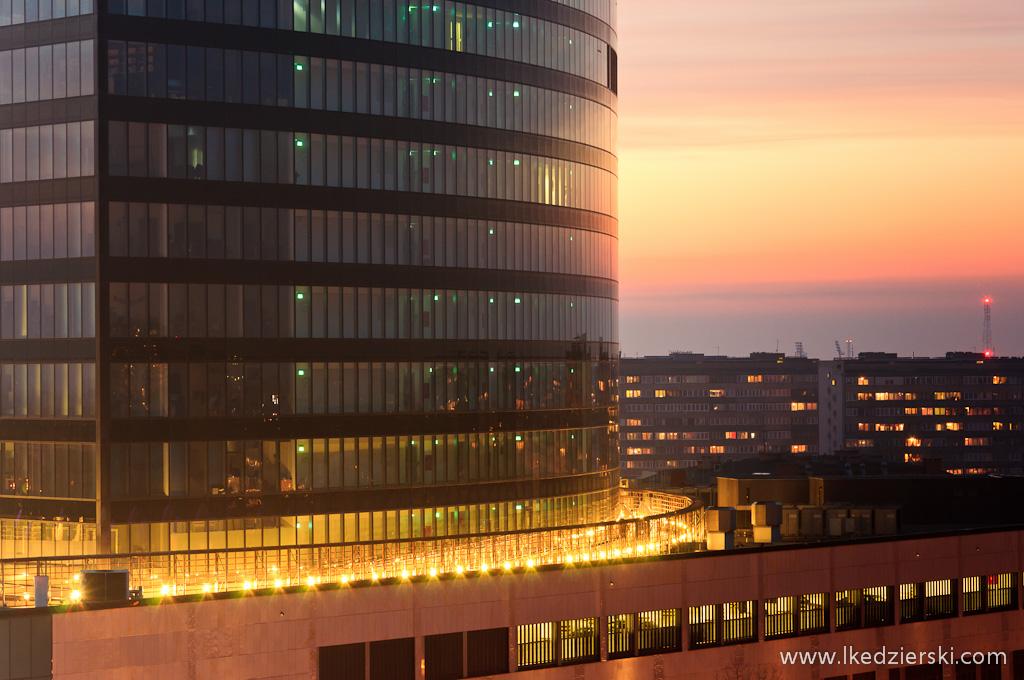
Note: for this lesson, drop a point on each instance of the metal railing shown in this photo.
(204, 571)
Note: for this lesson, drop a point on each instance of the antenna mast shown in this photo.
(986, 333)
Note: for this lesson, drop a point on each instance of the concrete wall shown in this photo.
(277, 635)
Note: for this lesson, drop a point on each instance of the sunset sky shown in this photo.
(821, 170)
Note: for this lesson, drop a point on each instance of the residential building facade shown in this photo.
(678, 410)
(964, 409)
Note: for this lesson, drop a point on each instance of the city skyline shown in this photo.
(820, 172)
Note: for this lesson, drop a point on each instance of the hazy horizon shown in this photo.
(818, 172)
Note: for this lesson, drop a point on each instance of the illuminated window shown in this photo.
(878, 606)
(863, 381)
(579, 640)
(716, 393)
(939, 599)
(716, 449)
(813, 613)
(779, 618)
(703, 626)
(659, 631)
(536, 644)
(848, 609)
(798, 448)
(659, 394)
(995, 592)
(620, 636)
(913, 441)
(632, 394)
(738, 622)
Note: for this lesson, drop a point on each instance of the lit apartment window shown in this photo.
(659, 631)
(813, 613)
(579, 640)
(878, 606)
(703, 626)
(739, 623)
(536, 643)
(995, 592)
(848, 609)
(911, 603)
(939, 599)
(779, 620)
(620, 636)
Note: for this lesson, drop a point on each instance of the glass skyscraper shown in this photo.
(303, 272)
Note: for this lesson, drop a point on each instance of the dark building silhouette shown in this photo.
(287, 273)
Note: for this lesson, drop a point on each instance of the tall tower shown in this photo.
(986, 333)
(293, 273)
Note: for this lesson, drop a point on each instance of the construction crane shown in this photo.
(986, 333)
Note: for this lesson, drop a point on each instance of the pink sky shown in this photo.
(821, 170)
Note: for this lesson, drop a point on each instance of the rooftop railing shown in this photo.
(193, 572)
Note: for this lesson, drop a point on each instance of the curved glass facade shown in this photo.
(359, 287)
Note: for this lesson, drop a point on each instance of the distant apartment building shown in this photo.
(681, 409)
(964, 409)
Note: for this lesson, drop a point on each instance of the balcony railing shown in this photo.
(204, 571)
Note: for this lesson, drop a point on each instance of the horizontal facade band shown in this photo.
(48, 32)
(165, 270)
(48, 271)
(334, 198)
(328, 349)
(48, 430)
(27, 508)
(72, 189)
(349, 425)
(46, 350)
(48, 111)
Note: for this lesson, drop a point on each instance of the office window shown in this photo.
(620, 636)
(442, 656)
(392, 659)
(536, 645)
(579, 639)
(739, 622)
(911, 602)
(659, 631)
(848, 609)
(813, 613)
(703, 626)
(779, 617)
(940, 599)
(995, 592)
(486, 650)
(878, 605)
